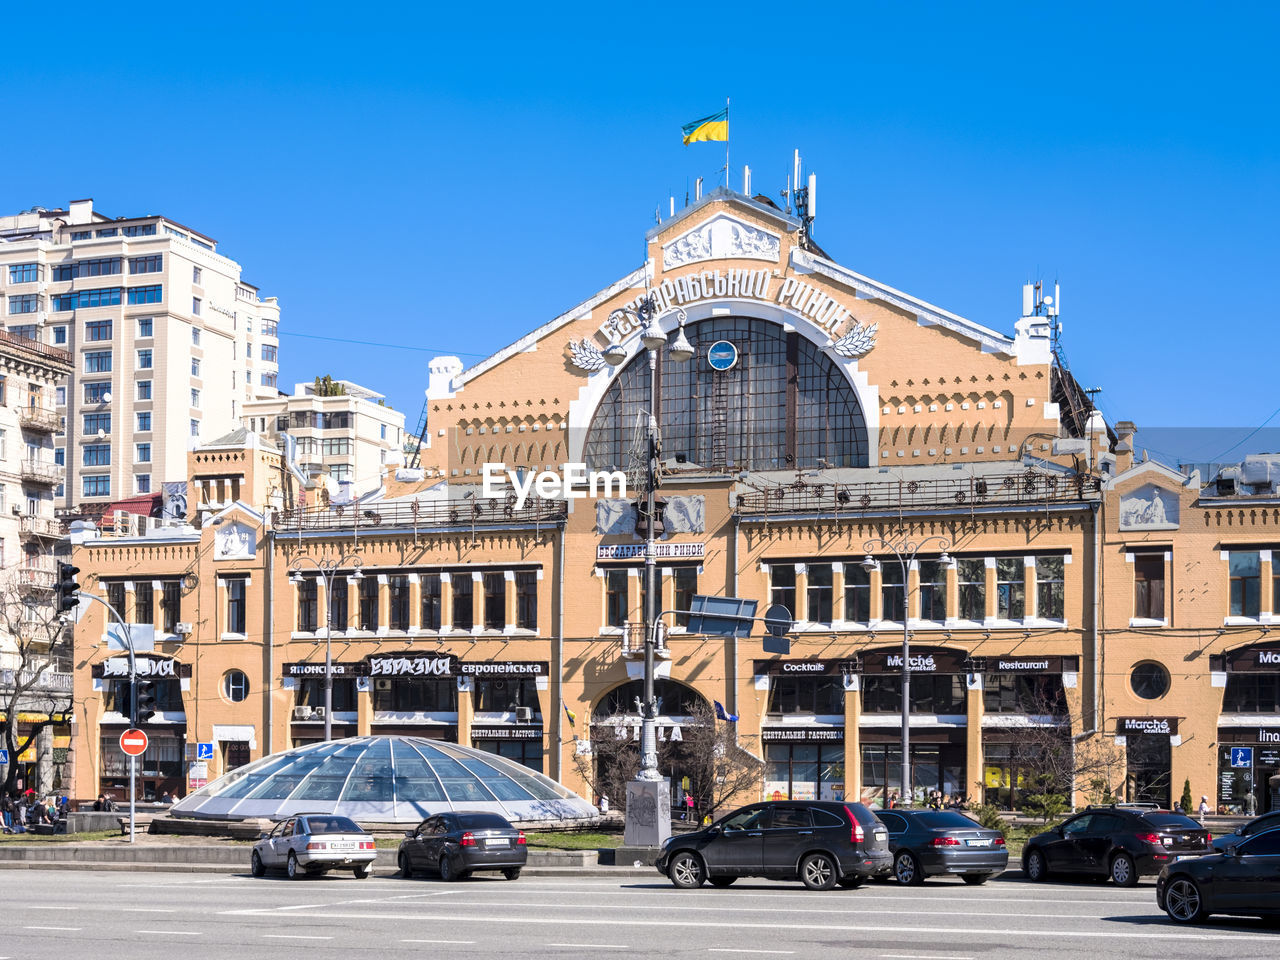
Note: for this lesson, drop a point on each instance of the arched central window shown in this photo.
(785, 405)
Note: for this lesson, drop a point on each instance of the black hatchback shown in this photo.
(819, 842)
(456, 844)
(929, 842)
(1121, 842)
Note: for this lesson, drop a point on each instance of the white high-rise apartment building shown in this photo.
(167, 342)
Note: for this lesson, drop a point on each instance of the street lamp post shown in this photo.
(906, 552)
(328, 570)
(644, 315)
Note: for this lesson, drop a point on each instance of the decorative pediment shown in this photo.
(722, 237)
(1149, 508)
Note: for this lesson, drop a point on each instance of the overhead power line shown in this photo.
(375, 343)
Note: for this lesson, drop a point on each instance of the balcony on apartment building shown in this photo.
(37, 573)
(42, 471)
(35, 416)
(54, 679)
(31, 525)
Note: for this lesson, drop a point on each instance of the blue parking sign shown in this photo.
(1242, 756)
(204, 751)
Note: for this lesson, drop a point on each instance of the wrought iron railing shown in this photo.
(1027, 488)
(40, 418)
(424, 514)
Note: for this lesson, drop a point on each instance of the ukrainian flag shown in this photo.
(573, 717)
(714, 127)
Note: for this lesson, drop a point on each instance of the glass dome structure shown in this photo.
(383, 780)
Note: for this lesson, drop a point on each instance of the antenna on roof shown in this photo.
(697, 189)
(805, 198)
(746, 179)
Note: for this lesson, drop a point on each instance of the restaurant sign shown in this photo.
(1128, 726)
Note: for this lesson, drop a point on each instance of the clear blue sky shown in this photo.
(445, 178)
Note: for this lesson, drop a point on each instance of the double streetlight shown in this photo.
(329, 571)
(906, 552)
(644, 315)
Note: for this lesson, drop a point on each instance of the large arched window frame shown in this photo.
(785, 405)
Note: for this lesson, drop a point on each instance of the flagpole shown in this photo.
(726, 144)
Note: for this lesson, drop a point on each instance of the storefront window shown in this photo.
(1252, 693)
(416, 695)
(163, 757)
(930, 693)
(311, 693)
(804, 771)
(806, 695)
(168, 694)
(933, 767)
(1013, 770)
(502, 695)
(527, 753)
(1034, 694)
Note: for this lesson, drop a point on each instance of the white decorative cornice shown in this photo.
(723, 237)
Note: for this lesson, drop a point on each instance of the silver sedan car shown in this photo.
(314, 843)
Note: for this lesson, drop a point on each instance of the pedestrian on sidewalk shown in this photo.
(1204, 808)
(604, 803)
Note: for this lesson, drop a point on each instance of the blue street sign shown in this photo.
(722, 355)
(204, 751)
(4, 756)
(1242, 756)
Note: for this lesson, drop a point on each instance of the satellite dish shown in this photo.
(106, 397)
(102, 434)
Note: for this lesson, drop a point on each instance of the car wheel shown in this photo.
(447, 873)
(851, 883)
(292, 868)
(1123, 872)
(818, 872)
(511, 873)
(362, 872)
(1035, 867)
(1182, 901)
(256, 866)
(975, 878)
(722, 881)
(907, 869)
(687, 870)
(403, 862)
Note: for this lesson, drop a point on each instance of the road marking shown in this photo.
(667, 922)
(146, 910)
(731, 950)
(921, 956)
(73, 929)
(437, 941)
(593, 946)
(174, 933)
(291, 936)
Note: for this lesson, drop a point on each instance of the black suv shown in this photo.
(1117, 841)
(820, 842)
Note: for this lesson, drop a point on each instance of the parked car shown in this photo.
(820, 842)
(1119, 841)
(456, 844)
(314, 843)
(1268, 821)
(1245, 879)
(928, 842)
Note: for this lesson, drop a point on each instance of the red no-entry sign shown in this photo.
(133, 742)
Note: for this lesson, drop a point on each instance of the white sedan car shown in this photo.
(314, 843)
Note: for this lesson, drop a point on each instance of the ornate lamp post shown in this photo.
(644, 315)
(328, 570)
(906, 552)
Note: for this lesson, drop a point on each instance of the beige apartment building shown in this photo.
(35, 653)
(825, 421)
(168, 342)
(340, 433)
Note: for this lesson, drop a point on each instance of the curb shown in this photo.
(119, 866)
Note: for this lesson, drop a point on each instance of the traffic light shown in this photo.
(146, 701)
(643, 520)
(66, 588)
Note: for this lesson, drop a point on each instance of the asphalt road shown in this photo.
(67, 915)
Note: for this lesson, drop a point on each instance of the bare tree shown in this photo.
(719, 764)
(34, 642)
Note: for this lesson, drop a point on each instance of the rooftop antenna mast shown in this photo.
(806, 200)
